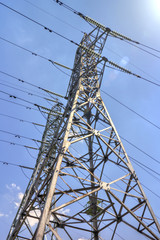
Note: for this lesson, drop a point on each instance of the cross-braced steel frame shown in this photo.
(83, 184)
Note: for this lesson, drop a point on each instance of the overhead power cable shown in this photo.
(79, 45)
(138, 162)
(124, 171)
(25, 106)
(91, 52)
(30, 168)
(151, 191)
(20, 86)
(131, 73)
(104, 28)
(29, 93)
(132, 64)
(41, 25)
(22, 120)
(22, 105)
(16, 165)
(146, 170)
(88, 50)
(37, 55)
(153, 124)
(136, 46)
(33, 85)
(35, 140)
(144, 50)
(34, 104)
(18, 144)
(23, 81)
(20, 136)
(50, 14)
(121, 137)
(144, 166)
(154, 159)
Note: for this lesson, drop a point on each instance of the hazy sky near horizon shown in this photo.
(139, 20)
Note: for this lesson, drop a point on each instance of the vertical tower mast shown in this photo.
(85, 183)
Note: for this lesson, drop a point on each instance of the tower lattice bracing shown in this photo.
(83, 183)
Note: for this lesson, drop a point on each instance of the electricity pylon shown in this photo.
(83, 183)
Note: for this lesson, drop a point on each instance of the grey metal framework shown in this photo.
(83, 183)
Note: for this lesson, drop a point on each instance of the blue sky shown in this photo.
(139, 20)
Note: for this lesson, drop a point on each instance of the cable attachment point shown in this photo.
(105, 186)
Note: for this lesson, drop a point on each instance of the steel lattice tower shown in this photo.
(83, 182)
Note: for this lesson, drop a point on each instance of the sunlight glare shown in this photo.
(156, 8)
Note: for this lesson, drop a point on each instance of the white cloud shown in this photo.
(114, 74)
(36, 213)
(12, 187)
(63, 211)
(19, 196)
(82, 238)
(124, 61)
(16, 204)
(13, 196)
(21, 36)
(3, 215)
(33, 221)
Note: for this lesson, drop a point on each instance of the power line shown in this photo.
(25, 106)
(38, 55)
(79, 45)
(20, 136)
(31, 108)
(121, 137)
(23, 81)
(18, 144)
(125, 172)
(88, 50)
(32, 103)
(16, 165)
(33, 85)
(142, 49)
(136, 162)
(24, 100)
(146, 167)
(50, 14)
(131, 73)
(35, 140)
(132, 64)
(153, 124)
(93, 22)
(48, 110)
(139, 163)
(154, 55)
(27, 167)
(41, 25)
(22, 120)
(28, 89)
(150, 169)
(151, 190)
(29, 93)
(154, 159)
